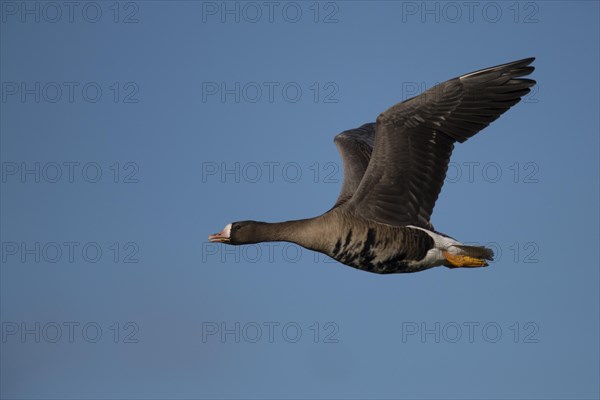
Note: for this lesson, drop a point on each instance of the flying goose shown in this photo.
(394, 170)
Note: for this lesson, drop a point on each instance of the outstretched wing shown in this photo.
(414, 140)
(355, 147)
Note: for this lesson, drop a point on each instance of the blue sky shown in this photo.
(131, 132)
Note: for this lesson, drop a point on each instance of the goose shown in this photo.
(394, 170)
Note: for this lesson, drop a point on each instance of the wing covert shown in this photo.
(355, 147)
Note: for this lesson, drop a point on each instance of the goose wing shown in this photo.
(414, 140)
(355, 147)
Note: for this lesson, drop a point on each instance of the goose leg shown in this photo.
(462, 261)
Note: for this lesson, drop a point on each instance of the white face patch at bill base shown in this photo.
(221, 237)
(227, 231)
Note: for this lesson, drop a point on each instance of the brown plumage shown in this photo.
(394, 170)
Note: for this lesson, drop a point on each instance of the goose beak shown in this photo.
(221, 237)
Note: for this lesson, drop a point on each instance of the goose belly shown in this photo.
(388, 250)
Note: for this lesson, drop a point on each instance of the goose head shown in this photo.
(242, 232)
